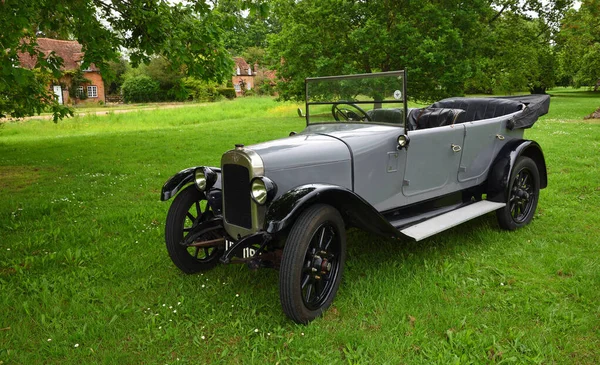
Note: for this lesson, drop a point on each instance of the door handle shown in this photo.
(455, 147)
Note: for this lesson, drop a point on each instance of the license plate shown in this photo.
(246, 252)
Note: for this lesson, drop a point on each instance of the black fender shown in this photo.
(356, 211)
(183, 178)
(499, 176)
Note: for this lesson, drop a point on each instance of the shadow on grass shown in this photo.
(367, 248)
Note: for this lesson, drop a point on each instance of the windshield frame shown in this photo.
(403, 99)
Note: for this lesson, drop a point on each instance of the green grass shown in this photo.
(82, 258)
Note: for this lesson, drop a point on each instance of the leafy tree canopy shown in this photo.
(516, 54)
(442, 44)
(434, 40)
(579, 44)
(249, 29)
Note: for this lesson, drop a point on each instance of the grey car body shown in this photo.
(394, 171)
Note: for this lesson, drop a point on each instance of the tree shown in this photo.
(169, 78)
(115, 78)
(189, 34)
(249, 29)
(579, 45)
(517, 51)
(434, 40)
(515, 55)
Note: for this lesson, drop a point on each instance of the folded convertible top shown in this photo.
(536, 106)
(492, 107)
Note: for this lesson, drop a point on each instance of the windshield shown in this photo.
(367, 98)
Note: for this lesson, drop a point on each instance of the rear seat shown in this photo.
(433, 117)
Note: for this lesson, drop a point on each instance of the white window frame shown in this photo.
(92, 91)
(249, 71)
(237, 88)
(79, 91)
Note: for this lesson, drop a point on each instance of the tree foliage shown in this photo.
(434, 40)
(140, 89)
(516, 54)
(190, 34)
(578, 44)
(248, 29)
(502, 45)
(113, 80)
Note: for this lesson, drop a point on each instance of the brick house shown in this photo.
(70, 52)
(244, 76)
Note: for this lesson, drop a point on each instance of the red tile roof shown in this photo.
(69, 51)
(242, 64)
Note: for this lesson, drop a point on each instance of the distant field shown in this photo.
(85, 277)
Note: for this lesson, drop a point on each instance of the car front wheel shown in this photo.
(523, 195)
(185, 213)
(312, 263)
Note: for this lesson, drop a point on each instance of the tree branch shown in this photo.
(498, 13)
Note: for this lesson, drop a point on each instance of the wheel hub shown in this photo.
(320, 266)
(522, 194)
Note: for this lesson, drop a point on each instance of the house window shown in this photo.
(237, 88)
(248, 86)
(80, 91)
(249, 71)
(238, 71)
(92, 91)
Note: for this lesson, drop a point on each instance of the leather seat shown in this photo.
(387, 115)
(433, 117)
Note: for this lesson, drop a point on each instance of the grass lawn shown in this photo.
(85, 277)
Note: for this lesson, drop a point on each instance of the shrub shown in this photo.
(178, 92)
(227, 92)
(201, 90)
(264, 85)
(140, 89)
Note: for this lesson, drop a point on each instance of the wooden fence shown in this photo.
(114, 99)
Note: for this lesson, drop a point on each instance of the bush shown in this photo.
(140, 89)
(227, 92)
(201, 90)
(178, 92)
(263, 85)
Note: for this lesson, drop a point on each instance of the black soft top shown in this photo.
(531, 107)
(536, 105)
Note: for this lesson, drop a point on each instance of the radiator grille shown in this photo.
(236, 193)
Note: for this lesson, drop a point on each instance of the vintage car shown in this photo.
(364, 160)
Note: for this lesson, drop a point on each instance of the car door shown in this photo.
(479, 148)
(432, 161)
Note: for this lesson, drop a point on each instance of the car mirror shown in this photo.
(300, 113)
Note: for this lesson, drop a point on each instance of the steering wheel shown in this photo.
(358, 115)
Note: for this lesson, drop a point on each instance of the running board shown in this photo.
(451, 219)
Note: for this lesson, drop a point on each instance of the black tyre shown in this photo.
(524, 190)
(186, 212)
(312, 263)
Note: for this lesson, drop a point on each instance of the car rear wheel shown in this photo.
(523, 195)
(312, 263)
(186, 212)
